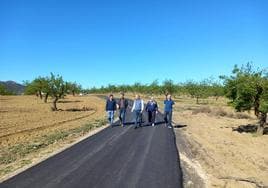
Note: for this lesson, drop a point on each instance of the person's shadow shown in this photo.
(178, 126)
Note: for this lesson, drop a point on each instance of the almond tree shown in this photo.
(154, 88)
(197, 89)
(248, 89)
(57, 89)
(216, 90)
(36, 86)
(39, 87)
(168, 87)
(74, 88)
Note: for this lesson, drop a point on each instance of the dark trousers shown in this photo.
(138, 117)
(151, 116)
(168, 118)
(122, 115)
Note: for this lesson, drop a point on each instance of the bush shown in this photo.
(240, 115)
(204, 109)
(220, 112)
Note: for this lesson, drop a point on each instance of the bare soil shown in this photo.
(23, 117)
(221, 156)
(26, 123)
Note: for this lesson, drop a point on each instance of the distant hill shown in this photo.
(13, 87)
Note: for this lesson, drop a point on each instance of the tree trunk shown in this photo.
(260, 127)
(73, 93)
(257, 102)
(61, 96)
(197, 100)
(40, 95)
(54, 103)
(46, 96)
(256, 110)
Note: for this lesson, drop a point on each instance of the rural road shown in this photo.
(115, 157)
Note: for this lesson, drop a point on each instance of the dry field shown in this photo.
(225, 158)
(30, 130)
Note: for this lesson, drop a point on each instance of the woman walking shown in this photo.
(152, 110)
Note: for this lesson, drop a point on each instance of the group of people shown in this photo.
(137, 108)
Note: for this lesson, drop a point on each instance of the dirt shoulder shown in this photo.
(220, 156)
(30, 132)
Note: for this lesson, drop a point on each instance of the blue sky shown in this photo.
(97, 42)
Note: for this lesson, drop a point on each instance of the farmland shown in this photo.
(30, 130)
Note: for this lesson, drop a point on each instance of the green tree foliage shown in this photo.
(138, 88)
(57, 89)
(248, 88)
(168, 87)
(198, 90)
(214, 88)
(74, 88)
(53, 86)
(38, 86)
(154, 88)
(217, 90)
(4, 91)
(33, 88)
(195, 89)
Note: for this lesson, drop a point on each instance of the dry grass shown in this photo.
(229, 158)
(221, 112)
(28, 127)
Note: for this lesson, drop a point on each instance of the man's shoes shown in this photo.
(153, 124)
(135, 127)
(169, 127)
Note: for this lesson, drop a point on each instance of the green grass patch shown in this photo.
(25, 162)
(6, 170)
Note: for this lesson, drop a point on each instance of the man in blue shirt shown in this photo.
(168, 111)
(110, 109)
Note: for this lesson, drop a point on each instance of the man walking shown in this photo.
(151, 108)
(168, 111)
(110, 109)
(122, 105)
(138, 106)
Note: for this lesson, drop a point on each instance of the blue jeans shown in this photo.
(110, 115)
(138, 117)
(122, 115)
(168, 118)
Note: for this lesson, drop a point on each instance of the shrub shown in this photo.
(203, 109)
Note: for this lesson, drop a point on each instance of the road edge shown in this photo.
(26, 167)
(193, 174)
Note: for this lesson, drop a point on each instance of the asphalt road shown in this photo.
(115, 157)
